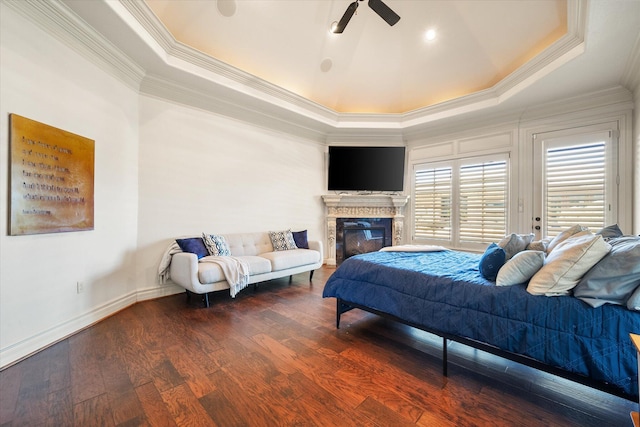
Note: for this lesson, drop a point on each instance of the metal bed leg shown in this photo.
(444, 356)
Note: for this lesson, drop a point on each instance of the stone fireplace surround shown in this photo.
(363, 206)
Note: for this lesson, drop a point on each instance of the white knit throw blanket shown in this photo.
(235, 270)
(165, 262)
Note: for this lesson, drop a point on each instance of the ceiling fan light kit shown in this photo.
(378, 6)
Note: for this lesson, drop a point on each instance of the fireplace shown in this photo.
(361, 235)
(365, 216)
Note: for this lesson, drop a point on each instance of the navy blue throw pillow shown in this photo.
(300, 237)
(492, 259)
(193, 245)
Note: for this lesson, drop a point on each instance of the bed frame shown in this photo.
(344, 306)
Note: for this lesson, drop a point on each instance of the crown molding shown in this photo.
(56, 18)
(221, 72)
(608, 101)
(559, 53)
(179, 73)
(171, 91)
(631, 75)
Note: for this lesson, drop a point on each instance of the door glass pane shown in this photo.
(575, 186)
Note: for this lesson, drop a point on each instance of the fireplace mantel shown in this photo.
(363, 206)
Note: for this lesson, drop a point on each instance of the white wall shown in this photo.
(200, 172)
(43, 80)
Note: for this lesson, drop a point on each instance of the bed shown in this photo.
(443, 292)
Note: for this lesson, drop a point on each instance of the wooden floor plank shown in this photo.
(272, 356)
(95, 411)
(155, 410)
(185, 408)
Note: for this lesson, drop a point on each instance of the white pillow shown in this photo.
(567, 263)
(520, 268)
(564, 236)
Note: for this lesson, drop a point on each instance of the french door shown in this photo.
(575, 179)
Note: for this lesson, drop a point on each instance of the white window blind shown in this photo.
(462, 202)
(575, 187)
(483, 201)
(432, 203)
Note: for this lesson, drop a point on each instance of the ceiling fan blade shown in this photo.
(346, 18)
(384, 11)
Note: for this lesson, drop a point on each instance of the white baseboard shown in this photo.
(158, 292)
(30, 345)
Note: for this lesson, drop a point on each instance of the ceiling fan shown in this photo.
(378, 7)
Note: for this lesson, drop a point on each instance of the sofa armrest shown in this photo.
(316, 245)
(184, 270)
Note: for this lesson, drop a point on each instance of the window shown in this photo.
(483, 195)
(432, 203)
(575, 181)
(462, 203)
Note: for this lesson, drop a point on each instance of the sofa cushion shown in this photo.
(300, 237)
(194, 245)
(210, 273)
(216, 244)
(282, 240)
(242, 244)
(281, 260)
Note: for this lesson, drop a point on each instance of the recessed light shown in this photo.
(430, 35)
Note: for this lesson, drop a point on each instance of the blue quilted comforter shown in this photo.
(444, 291)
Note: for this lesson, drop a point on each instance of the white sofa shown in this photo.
(201, 277)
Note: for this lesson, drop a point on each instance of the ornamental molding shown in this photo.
(364, 211)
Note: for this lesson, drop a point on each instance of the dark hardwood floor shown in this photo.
(273, 357)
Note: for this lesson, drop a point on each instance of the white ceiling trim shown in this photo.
(189, 77)
(631, 76)
(559, 53)
(56, 18)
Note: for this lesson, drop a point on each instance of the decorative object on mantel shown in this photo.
(52, 179)
(363, 206)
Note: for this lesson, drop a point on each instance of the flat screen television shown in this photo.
(366, 168)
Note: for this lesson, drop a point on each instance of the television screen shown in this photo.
(366, 168)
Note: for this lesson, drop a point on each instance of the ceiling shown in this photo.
(274, 63)
(371, 67)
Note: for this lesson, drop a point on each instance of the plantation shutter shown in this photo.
(483, 201)
(575, 186)
(432, 203)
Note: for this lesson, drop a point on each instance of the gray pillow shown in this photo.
(615, 277)
(514, 243)
(611, 232)
(634, 300)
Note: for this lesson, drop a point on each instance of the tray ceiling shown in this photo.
(371, 67)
